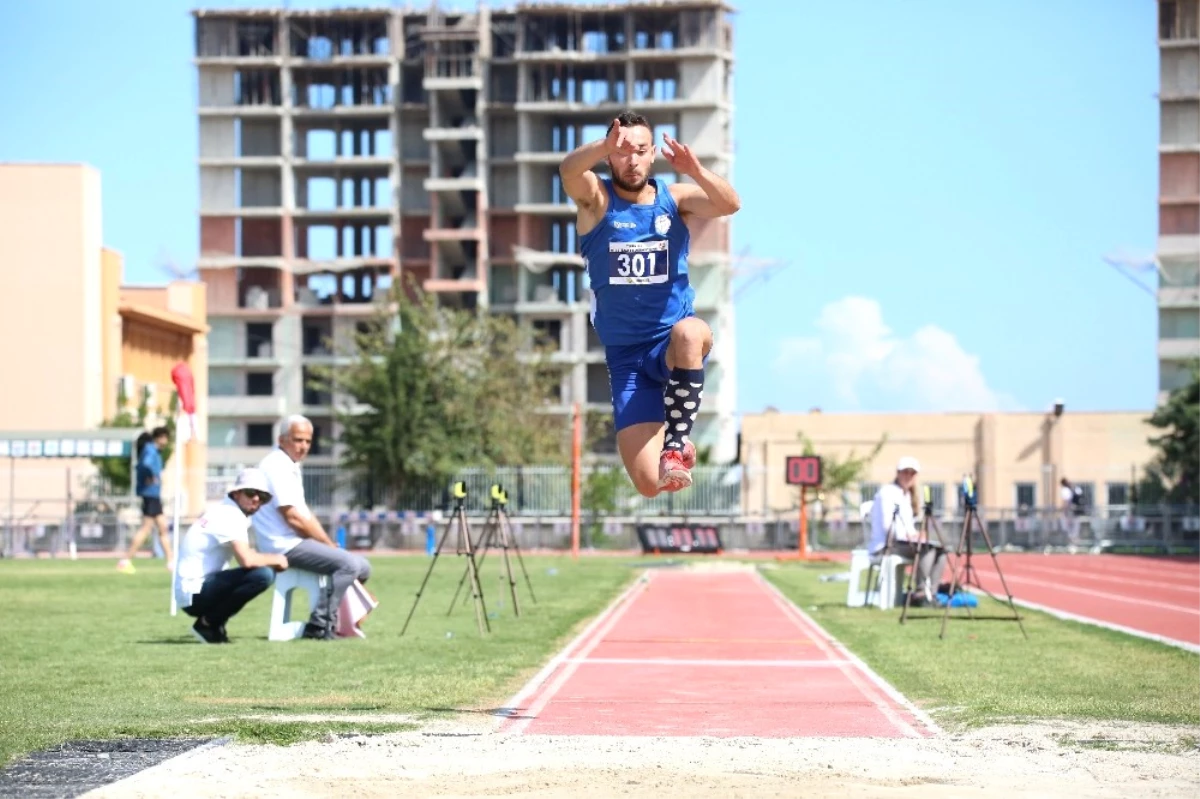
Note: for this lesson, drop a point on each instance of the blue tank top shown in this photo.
(636, 261)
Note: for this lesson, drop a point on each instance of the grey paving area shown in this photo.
(76, 767)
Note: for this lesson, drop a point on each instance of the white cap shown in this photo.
(252, 480)
(908, 463)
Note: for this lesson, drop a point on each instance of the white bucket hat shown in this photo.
(252, 480)
(908, 463)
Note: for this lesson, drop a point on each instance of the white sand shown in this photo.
(469, 759)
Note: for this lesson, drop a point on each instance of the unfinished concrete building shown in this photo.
(343, 150)
(1179, 193)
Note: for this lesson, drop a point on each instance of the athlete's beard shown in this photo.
(621, 183)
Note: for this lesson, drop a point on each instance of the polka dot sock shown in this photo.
(685, 387)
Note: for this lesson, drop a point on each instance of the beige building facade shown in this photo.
(1016, 459)
(75, 339)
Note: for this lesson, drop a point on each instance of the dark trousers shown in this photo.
(227, 592)
(343, 569)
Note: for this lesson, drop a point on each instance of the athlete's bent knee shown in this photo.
(691, 336)
(647, 487)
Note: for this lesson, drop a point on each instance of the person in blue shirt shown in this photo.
(634, 239)
(148, 477)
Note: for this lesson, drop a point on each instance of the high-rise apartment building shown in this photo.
(343, 150)
(1179, 192)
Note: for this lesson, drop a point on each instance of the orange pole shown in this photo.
(803, 538)
(576, 446)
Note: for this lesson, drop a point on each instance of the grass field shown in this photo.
(986, 672)
(88, 653)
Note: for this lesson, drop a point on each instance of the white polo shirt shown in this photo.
(888, 498)
(271, 530)
(207, 547)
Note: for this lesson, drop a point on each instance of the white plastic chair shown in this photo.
(886, 592)
(282, 627)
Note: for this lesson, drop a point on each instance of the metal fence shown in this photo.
(105, 526)
(539, 506)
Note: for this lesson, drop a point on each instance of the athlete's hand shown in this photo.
(617, 140)
(680, 157)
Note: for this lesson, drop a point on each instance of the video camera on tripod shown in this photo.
(966, 492)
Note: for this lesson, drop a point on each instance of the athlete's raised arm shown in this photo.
(579, 181)
(710, 197)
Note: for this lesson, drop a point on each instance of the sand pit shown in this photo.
(469, 759)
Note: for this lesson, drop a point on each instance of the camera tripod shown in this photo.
(496, 525)
(929, 526)
(463, 546)
(964, 551)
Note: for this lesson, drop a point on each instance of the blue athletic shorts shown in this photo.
(637, 376)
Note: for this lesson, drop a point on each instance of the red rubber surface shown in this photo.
(1155, 595)
(719, 654)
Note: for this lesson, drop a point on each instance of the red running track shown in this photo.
(719, 654)
(1153, 597)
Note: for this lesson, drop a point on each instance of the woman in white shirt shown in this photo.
(204, 588)
(894, 512)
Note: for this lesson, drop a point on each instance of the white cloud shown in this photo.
(855, 361)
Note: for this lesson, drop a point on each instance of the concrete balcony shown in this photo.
(456, 83)
(1179, 297)
(454, 286)
(381, 110)
(461, 133)
(450, 185)
(240, 111)
(253, 61)
(344, 213)
(233, 360)
(547, 209)
(244, 211)
(1187, 246)
(343, 163)
(541, 259)
(620, 56)
(244, 161)
(238, 406)
(547, 157)
(1170, 349)
(361, 60)
(612, 109)
(234, 261)
(451, 234)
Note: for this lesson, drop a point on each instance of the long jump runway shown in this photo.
(716, 653)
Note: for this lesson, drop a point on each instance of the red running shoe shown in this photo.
(673, 474)
(689, 455)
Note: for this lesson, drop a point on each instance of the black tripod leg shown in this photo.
(954, 581)
(436, 553)
(512, 584)
(487, 540)
(521, 563)
(996, 563)
(481, 618)
(912, 580)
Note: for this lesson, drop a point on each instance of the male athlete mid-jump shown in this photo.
(634, 240)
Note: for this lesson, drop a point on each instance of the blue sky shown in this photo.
(943, 179)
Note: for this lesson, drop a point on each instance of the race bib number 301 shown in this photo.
(637, 263)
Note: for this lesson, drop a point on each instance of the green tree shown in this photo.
(1174, 475)
(435, 389)
(114, 473)
(599, 493)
